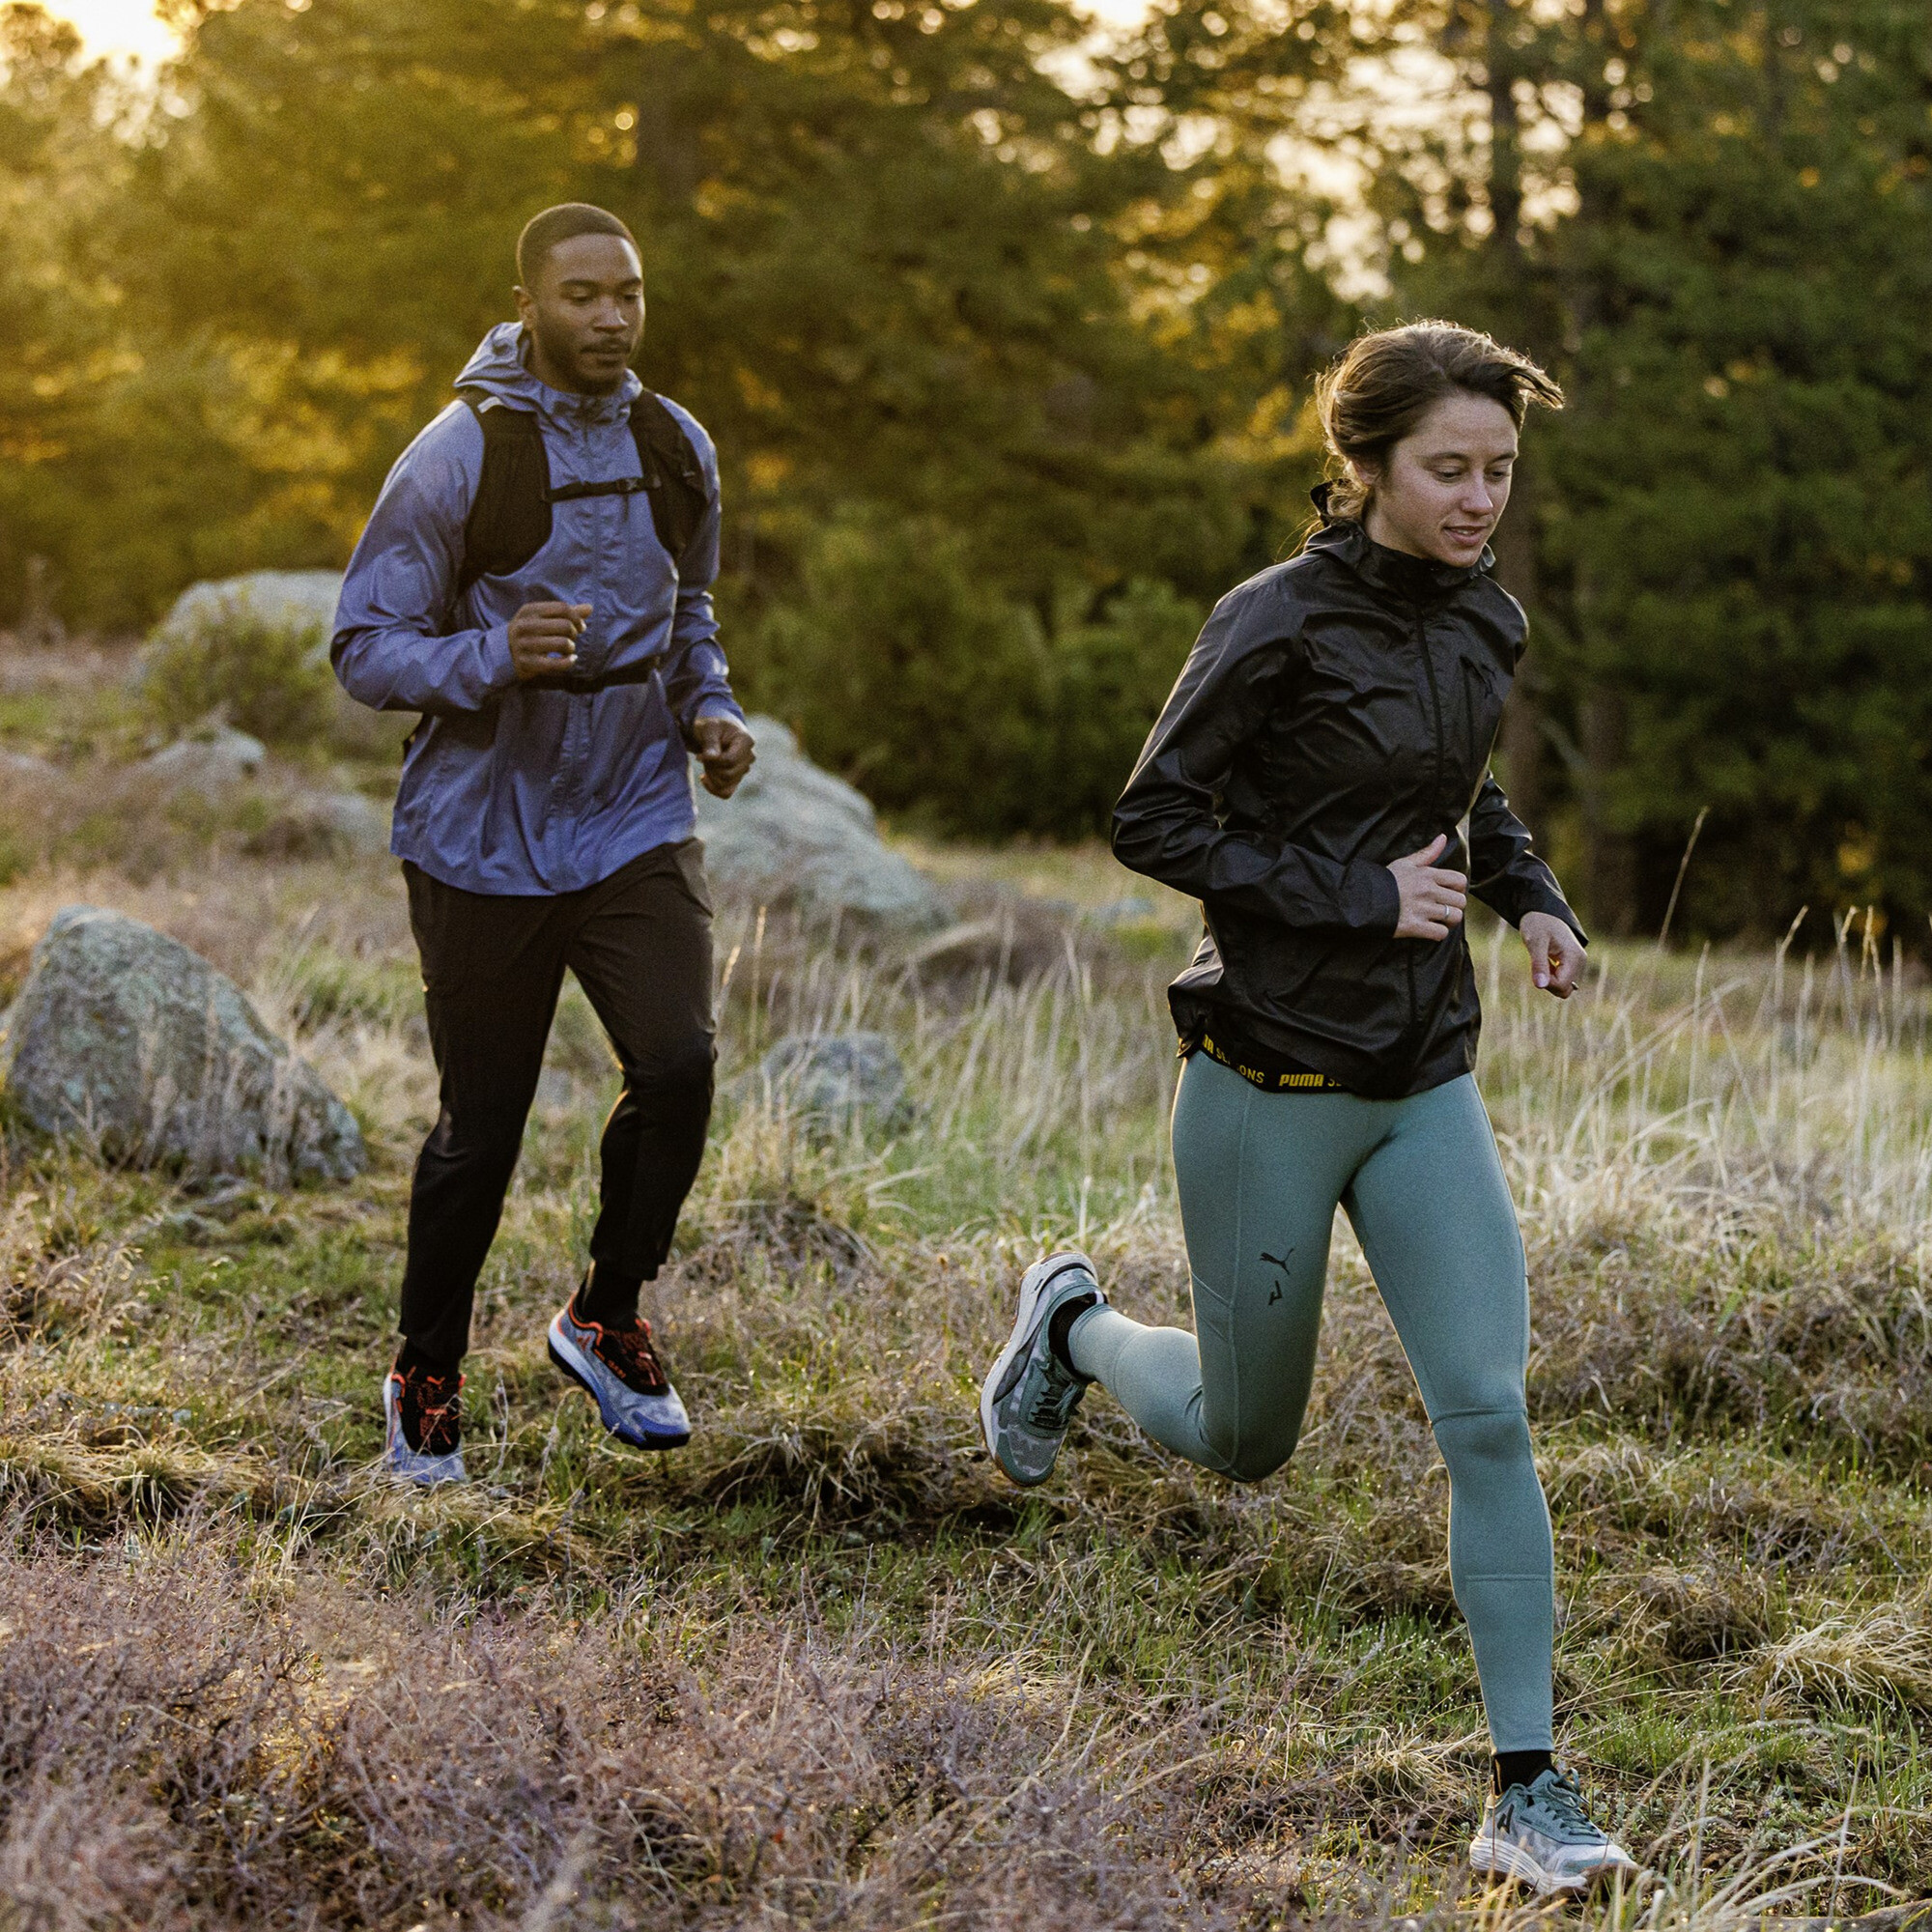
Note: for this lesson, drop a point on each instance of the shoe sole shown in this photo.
(1024, 1328)
(619, 1429)
(1504, 1862)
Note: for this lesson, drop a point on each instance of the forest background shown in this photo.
(1006, 328)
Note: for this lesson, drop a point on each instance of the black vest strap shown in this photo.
(569, 493)
(509, 520)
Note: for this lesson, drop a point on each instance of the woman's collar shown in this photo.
(1415, 578)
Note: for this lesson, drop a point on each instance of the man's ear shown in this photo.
(526, 308)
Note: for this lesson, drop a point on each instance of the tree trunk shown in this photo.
(1499, 62)
(1521, 744)
(39, 622)
(1609, 859)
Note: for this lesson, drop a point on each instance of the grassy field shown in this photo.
(825, 1668)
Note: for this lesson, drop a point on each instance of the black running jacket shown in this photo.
(1337, 711)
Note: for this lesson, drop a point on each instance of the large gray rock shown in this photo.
(836, 1081)
(299, 598)
(795, 835)
(303, 599)
(127, 1037)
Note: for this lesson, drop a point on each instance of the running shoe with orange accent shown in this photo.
(616, 1364)
(422, 1427)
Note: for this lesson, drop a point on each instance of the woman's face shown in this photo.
(1443, 487)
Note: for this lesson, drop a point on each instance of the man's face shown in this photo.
(586, 314)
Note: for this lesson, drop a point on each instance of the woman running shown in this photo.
(1319, 781)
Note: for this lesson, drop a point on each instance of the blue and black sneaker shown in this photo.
(618, 1366)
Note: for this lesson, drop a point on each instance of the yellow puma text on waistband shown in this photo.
(1267, 1082)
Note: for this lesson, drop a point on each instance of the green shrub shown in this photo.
(910, 669)
(264, 675)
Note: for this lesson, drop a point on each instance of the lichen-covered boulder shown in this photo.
(794, 835)
(125, 1037)
(304, 599)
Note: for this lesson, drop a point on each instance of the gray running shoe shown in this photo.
(1540, 1835)
(425, 1407)
(620, 1367)
(1029, 1397)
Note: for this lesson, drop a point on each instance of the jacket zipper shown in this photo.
(1435, 703)
(576, 723)
(1435, 780)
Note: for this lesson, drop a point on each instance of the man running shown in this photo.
(535, 581)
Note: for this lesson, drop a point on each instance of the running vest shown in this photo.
(509, 519)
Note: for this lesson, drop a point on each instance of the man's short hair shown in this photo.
(543, 231)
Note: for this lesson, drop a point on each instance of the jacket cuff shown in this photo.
(713, 706)
(1373, 891)
(500, 667)
(1539, 898)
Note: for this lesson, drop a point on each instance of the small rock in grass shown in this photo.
(1020, 939)
(124, 1036)
(212, 765)
(834, 1081)
(321, 825)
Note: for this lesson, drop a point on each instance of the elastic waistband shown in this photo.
(1271, 1072)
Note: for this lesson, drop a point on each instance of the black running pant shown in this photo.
(640, 944)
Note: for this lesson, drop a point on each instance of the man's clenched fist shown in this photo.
(724, 749)
(543, 638)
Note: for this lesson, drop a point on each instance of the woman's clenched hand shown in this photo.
(1555, 954)
(1432, 897)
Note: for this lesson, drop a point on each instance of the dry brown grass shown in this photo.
(183, 1743)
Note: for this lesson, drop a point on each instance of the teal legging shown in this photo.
(1261, 1175)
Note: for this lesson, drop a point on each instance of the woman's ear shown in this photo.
(1364, 473)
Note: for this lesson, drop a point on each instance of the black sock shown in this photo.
(412, 1360)
(607, 1297)
(1061, 1326)
(1521, 1768)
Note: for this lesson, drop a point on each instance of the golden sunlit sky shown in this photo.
(117, 26)
(129, 26)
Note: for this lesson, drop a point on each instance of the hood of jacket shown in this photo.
(501, 366)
